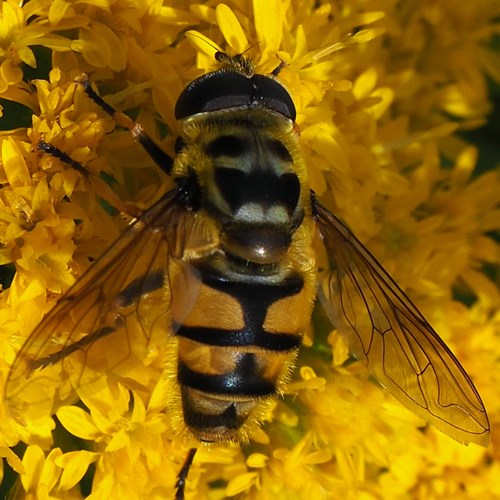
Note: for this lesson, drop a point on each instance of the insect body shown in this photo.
(224, 266)
(249, 182)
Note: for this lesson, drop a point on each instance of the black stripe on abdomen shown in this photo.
(244, 380)
(245, 337)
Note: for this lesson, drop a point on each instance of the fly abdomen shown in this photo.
(236, 347)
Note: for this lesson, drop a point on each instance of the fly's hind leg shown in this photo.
(183, 473)
(162, 159)
(131, 294)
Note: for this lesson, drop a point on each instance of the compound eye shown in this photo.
(226, 89)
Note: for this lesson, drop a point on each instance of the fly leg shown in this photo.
(182, 476)
(162, 159)
(127, 210)
(61, 155)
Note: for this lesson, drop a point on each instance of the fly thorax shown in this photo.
(254, 192)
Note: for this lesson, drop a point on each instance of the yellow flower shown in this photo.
(381, 96)
(54, 475)
(22, 27)
(132, 438)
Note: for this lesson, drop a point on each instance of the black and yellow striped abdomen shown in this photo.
(237, 345)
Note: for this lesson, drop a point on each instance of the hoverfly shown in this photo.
(224, 266)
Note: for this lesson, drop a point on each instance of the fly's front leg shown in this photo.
(162, 159)
(61, 155)
(129, 211)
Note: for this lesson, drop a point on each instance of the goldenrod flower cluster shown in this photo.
(382, 91)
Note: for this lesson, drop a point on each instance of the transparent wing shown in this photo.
(383, 328)
(107, 320)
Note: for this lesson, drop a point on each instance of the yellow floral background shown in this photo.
(384, 91)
